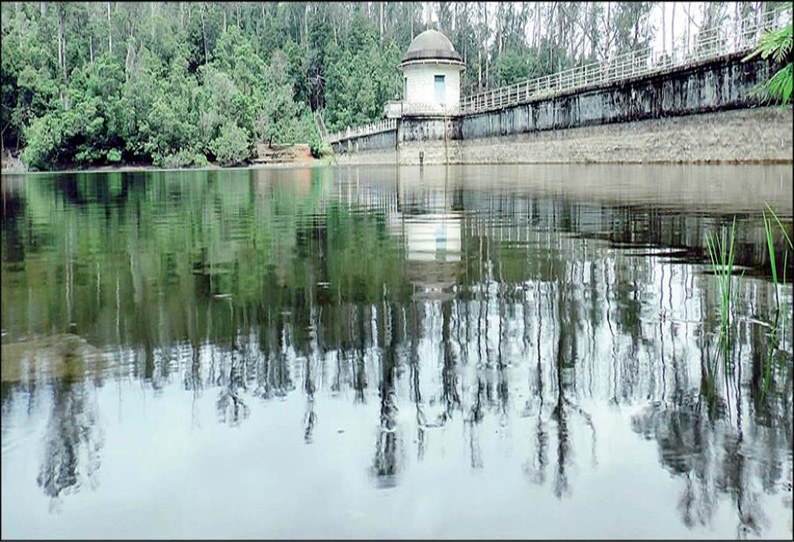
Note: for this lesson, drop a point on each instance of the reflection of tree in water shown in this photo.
(535, 467)
(73, 441)
(566, 323)
(232, 379)
(272, 373)
(412, 323)
(475, 417)
(449, 373)
(231, 403)
(565, 359)
(317, 350)
(703, 444)
(359, 354)
(386, 464)
(291, 269)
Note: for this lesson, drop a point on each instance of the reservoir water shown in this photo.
(461, 352)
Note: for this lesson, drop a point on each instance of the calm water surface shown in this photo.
(484, 351)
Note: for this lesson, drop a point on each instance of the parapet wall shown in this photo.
(717, 85)
(380, 140)
(707, 112)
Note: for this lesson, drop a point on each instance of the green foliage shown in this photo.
(43, 135)
(175, 91)
(722, 257)
(778, 45)
(199, 160)
(770, 239)
(231, 147)
(179, 71)
(780, 316)
(780, 85)
(316, 145)
(511, 67)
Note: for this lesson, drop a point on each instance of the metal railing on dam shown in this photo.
(709, 45)
(743, 36)
(367, 129)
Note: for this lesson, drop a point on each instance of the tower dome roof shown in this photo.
(431, 45)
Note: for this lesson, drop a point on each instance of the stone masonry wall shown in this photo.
(717, 85)
(761, 134)
(704, 113)
(740, 136)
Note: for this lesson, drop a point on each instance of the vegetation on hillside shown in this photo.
(184, 83)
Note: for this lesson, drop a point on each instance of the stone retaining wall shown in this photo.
(740, 136)
(703, 113)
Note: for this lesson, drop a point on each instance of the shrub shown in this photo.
(114, 155)
(316, 144)
(178, 159)
(232, 145)
(199, 160)
(43, 143)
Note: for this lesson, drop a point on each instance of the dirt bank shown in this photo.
(278, 155)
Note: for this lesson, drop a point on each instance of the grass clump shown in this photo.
(778, 323)
(722, 256)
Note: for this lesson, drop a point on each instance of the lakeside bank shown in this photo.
(14, 166)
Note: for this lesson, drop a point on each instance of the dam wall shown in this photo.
(708, 112)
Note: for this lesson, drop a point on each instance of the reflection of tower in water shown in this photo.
(430, 230)
(422, 217)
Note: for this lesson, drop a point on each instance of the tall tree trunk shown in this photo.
(61, 11)
(62, 40)
(224, 18)
(664, 26)
(380, 4)
(535, 25)
(688, 23)
(479, 70)
(91, 49)
(499, 30)
(43, 8)
(306, 26)
(110, 32)
(487, 56)
(128, 61)
(672, 30)
(204, 32)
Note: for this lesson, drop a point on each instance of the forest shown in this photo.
(177, 84)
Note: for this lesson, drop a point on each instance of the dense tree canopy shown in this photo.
(181, 83)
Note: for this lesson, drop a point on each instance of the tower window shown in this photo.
(440, 90)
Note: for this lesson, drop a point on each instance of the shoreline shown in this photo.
(279, 156)
(325, 162)
(317, 162)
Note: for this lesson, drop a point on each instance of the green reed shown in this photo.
(770, 241)
(722, 259)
